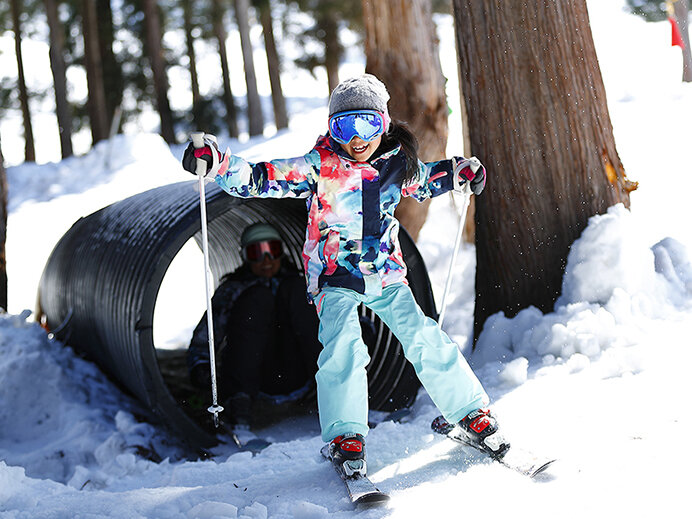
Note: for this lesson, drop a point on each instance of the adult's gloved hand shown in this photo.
(200, 376)
(469, 170)
(209, 153)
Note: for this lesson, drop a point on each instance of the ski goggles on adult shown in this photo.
(366, 124)
(255, 251)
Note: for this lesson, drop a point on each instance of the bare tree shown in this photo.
(57, 65)
(273, 64)
(96, 101)
(3, 233)
(254, 105)
(221, 35)
(539, 121)
(401, 49)
(111, 68)
(188, 27)
(333, 50)
(158, 68)
(29, 149)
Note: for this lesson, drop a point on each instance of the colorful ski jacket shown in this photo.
(352, 237)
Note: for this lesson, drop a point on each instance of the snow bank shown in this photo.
(614, 285)
(73, 425)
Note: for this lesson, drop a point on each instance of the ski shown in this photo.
(361, 490)
(522, 461)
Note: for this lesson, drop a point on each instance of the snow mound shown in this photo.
(148, 153)
(73, 426)
(614, 284)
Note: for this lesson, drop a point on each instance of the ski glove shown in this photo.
(469, 170)
(217, 163)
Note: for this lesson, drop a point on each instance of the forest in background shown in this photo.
(125, 52)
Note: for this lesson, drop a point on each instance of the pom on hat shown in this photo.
(364, 92)
(258, 232)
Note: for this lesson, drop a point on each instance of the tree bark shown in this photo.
(274, 66)
(96, 101)
(112, 72)
(221, 36)
(3, 233)
(158, 68)
(682, 13)
(402, 50)
(539, 121)
(29, 149)
(332, 47)
(254, 105)
(56, 52)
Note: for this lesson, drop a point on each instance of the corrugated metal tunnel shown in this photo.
(100, 286)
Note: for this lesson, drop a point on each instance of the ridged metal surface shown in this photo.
(99, 288)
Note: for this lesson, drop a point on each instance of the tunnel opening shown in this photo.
(105, 281)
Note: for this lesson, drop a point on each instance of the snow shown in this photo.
(601, 382)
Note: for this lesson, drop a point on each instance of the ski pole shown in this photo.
(198, 142)
(466, 193)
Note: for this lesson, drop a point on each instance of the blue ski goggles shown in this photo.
(366, 124)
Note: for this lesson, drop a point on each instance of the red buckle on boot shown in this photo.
(479, 420)
(348, 444)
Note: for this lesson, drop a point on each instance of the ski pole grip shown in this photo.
(474, 164)
(197, 139)
(198, 142)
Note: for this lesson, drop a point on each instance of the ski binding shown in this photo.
(522, 461)
(361, 490)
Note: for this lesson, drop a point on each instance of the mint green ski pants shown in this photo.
(342, 385)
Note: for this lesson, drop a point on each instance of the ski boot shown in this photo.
(479, 429)
(348, 450)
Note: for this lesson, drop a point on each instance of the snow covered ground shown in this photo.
(602, 382)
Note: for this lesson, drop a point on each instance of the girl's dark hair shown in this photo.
(399, 133)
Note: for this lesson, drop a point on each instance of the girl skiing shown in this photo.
(352, 181)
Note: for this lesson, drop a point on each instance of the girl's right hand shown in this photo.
(209, 153)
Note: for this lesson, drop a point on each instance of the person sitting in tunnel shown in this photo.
(265, 331)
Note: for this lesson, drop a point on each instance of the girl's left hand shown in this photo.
(469, 170)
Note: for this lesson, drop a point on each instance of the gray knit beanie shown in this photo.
(365, 92)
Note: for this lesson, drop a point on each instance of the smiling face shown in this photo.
(361, 150)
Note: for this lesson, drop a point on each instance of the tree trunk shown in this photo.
(194, 81)
(96, 101)
(3, 233)
(332, 47)
(112, 73)
(402, 50)
(539, 121)
(29, 150)
(221, 36)
(57, 65)
(158, 68)
(682, 13)
(254, 105)
(274, 65)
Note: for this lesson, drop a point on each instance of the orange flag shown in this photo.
(677, 37)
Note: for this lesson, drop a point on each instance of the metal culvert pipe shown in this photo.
(99, 289)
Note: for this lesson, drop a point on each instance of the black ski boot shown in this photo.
(348, 450)
(479, 428)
